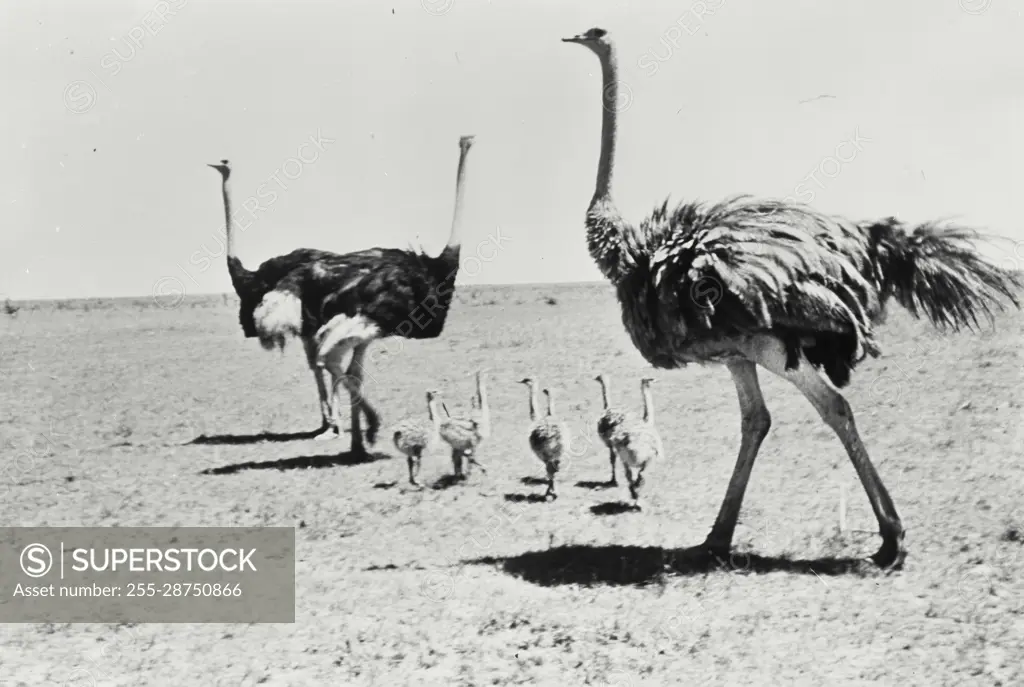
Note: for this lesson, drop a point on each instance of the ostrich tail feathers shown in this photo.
(278, 317)
(937, 271)
(241, 278)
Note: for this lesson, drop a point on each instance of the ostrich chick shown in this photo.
(464, 435)
(549, 438)
(415, 437)
(638, 444)
(608, 424)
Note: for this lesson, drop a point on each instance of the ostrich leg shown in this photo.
(359, 401)
(326, 413)
(414, 467)
(755, 422)
(837, 414)
(611, 459)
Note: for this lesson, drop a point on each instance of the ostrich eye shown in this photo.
(596, 33)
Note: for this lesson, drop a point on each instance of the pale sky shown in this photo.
(111, 199)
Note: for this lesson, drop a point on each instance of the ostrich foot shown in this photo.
(327, 432)
(371, 432)
(613, 482)
(892, 553)
(716, 548)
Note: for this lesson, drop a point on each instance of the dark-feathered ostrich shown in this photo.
(748, 282)
(346, 302)
(251, 287)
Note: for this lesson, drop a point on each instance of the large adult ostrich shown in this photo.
(346, 302)
(252, 286)
(750, 282)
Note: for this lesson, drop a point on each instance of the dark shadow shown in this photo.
(613, 508)
(534, 481)
(385, 485)
(590, 484)
(526, 498)
(346, 459)
(639, 565)
(243, 439)
(447, 481)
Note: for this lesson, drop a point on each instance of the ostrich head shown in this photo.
(466, 142)
(596, 39)
(432, 395)
(647, 381)
(224, 168)
(600, 378)
(529, 381)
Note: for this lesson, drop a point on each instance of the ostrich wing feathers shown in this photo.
(251, 287)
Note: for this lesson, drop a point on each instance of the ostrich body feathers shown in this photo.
(609, 425)
(637, 444)
(695, 282)
(415, 436)
(402, 293)
(461, 434)
(549, 439)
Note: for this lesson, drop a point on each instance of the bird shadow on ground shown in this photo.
(640, 565)
(526, 498)
(242, 439)
(447, 482)
(613, 508)
(592, 484)
(534, 481)
(346, 459)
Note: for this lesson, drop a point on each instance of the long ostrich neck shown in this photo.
(604, 392)
(551, 403)
(225, 189)
(533, 401)
(606, 230)
(648, 404)
(435, 417)
(241, 278)
(609, 94)
(455, 238)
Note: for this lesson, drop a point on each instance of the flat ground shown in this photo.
(476, 584)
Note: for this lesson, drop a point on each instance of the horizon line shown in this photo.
(232, 293)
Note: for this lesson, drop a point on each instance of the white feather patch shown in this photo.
(341, 328)
(278, 316)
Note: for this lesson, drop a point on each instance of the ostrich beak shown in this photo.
(209, 165)
(575, 39)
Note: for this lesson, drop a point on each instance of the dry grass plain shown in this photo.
(478, 585)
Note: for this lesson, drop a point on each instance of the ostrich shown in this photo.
(549, 438)
(415, 437)
(749, 282)
(638, 443)
(608, 424)
(347, 302)
(252, 286)
(464, 435)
